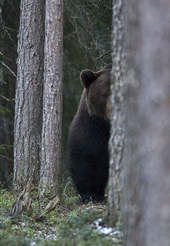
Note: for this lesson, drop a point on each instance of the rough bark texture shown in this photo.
(28, 100)
(147, 158)
(52, 97)
(117, 117)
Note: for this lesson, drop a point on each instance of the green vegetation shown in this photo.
(64, 226)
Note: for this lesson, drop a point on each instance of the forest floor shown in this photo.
(78, 225)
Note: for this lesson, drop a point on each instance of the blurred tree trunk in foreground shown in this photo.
(117, 117)
(52, 98)
(28, 100)
(147, 157)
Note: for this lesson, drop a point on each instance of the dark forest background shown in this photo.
(87, 44)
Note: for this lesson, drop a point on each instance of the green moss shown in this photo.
(69, 198)
(6, 199)
(14, 241)
(68, 226)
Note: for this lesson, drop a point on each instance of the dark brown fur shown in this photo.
(88, 156)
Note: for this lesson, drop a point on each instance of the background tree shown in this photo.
(28, 99)
(147, 158)
(117, 115)
(52, 97)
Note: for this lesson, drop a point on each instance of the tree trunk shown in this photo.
(52, 98)
(147, 158)
(117, 116)
(28, 100)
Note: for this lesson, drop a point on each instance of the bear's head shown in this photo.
(97, 86)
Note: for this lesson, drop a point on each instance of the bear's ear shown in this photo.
(87, 77)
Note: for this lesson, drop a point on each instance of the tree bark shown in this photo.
(117, 116)
(28, 100)
(147, 157)
(52, 98)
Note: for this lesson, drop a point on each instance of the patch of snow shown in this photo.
(33, 243)
(22, 224)
(103, 229)
(118, 233)
(45, 234)
(109, 231)
(50, 236)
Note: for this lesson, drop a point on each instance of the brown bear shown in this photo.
(88, 156)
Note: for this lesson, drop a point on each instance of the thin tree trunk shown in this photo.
(117, 117)
(28, 100)
(52, 98)
(147, 158)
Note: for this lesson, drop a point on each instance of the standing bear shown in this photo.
(88, 155)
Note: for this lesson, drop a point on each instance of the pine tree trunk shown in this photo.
(52, 98)
(28, 100)
(117, 117)
(147, 158)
